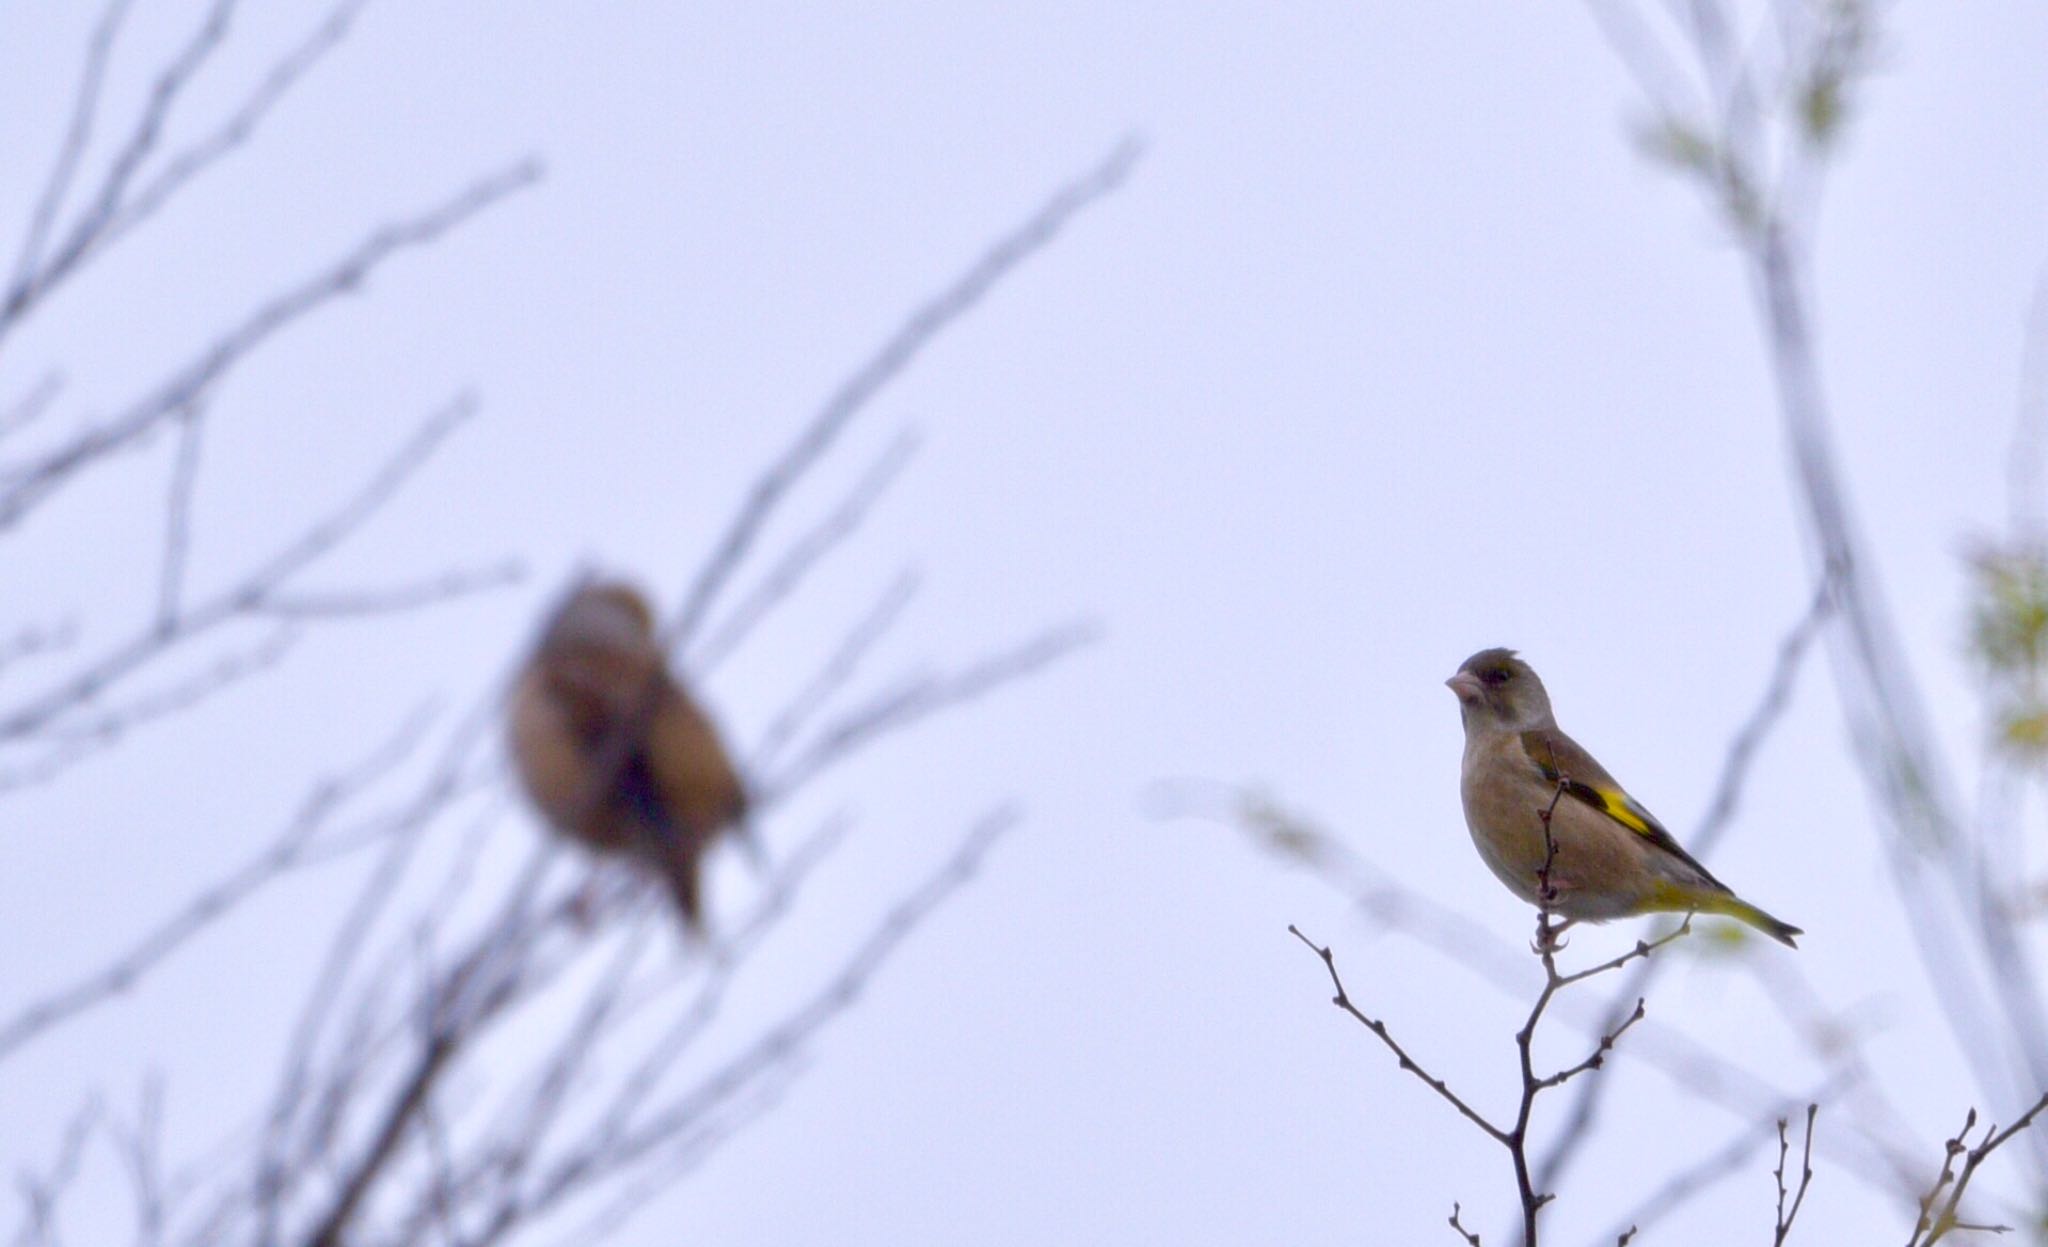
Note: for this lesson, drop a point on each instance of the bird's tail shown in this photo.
(679, 868)
(1735, 907)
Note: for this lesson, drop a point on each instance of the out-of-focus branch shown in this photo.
(30, 484)
(251, 594)
(1982, 975)
(141, 1152)
(832, 675)
(118, 205)
(371, 1129)
(31, 406)
(85, 106)
(44, 1192)
(232, 131)
(33, 640)
(1735, 767)
(776, 1046)
(803, 555)
(298, 844)
(920, 700)
(191, 422)
(77, 737)
(909, 340)
(396, 599)
(1681, 1186)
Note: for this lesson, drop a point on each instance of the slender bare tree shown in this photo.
(498, 1041)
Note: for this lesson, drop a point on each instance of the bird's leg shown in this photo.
(1549, 936)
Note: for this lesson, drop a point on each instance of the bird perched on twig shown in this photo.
(614, 751)
(1606, 856)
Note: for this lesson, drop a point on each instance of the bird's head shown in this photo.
(605, 615)
(1498, 690)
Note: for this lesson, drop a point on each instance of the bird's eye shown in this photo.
(1495, 677)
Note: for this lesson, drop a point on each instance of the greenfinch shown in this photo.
(611, 748)
(1606, 856)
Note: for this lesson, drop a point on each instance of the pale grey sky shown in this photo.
(1392, 348)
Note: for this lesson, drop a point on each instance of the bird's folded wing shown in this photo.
(1560, 758)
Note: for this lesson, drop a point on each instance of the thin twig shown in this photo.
(803, 555)
(294, 845)
(1787, 1216)
(909, 340)
(1681, 1186)
(250, 593)
(889, 714)
(191, 422)
(1407, 1063)
(77, 135)
(1736, 763)
(35, 482)
(1515, 1138)
(840, 666)
(1938, 1215)
(395, 599)
(1388, 905)
(30, 408)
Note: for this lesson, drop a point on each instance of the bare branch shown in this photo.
(1938, 1215)
(1407, 1063)
(30, 407)
(1923, 825)
(295, 845)
(1459, 1226)
(34, 640)
(78, 739)
(1513, 1138)
(33, 483)
(919, 701)
(1787, 1217)
(42, 1193)
(1735, 767)
(770, 1051)
(853, 395)
(191, 422)
(1690, 1065)
(249, 594)
(390, 599)
(1598, 1057)
(141, 1150)
(77, 136)
(231, 133)
(831, 677)
(803, 555)
(1681, 1186)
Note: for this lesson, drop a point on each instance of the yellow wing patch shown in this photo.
(1618, 807)
(1557, 758)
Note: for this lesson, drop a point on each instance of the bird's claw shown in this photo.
(1549, 939)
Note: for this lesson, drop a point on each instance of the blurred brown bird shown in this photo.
(612, 749)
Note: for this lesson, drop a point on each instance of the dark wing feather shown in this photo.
(1559, 757)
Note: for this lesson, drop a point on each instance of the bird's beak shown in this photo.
(1466, 686)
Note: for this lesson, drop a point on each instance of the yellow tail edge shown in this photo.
(1742, 911)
